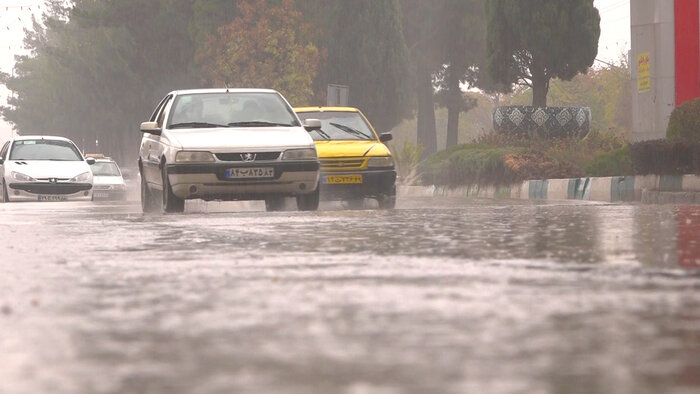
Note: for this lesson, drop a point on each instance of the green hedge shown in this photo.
(665, 157)
(684, 123)
(616, 162)
(470, 164)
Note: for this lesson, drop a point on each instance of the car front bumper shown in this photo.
(375, 183)
(209, 182)
(45, 191)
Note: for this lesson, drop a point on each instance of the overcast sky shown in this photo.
(614, 39)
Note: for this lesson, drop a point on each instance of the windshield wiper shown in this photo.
(323, 134)
(194, 125)
(350, 130)
(258, 123)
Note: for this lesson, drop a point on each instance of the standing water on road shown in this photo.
(436, 296)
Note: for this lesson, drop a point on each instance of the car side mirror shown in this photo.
(90, 160)
(151, 128)
(312, 124)
(385, 137)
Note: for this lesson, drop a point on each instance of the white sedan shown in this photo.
(227, 144)
(44, 168)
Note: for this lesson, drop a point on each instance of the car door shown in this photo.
(3, 156)
(152, 146)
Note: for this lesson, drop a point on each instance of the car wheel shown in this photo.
(148, 203)
(5, 196)
(309, 202)
(171, 202)
(388, 201)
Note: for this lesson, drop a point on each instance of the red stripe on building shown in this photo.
(687, 29)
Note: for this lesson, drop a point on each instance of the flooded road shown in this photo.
(439, 295)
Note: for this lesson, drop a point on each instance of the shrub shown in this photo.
(616, 162)
(469, 164)
(501, 159)
(684, 123)
(665, 157)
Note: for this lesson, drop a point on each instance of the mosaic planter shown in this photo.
(545, 122)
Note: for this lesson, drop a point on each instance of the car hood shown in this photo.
(241, 138)
(107, 180)
(351, 149)
(38, 169)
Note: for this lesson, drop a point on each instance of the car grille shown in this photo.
(52, 188)
(339, 164)
(238, 156)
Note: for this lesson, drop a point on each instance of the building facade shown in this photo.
(665, 61)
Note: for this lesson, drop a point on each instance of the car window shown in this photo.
(55, 150)
(231, 110)
(104, 168)
(3, 152)
(339, 125)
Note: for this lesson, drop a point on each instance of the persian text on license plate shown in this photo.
(51, 198)
(343, 179)
(253, 172)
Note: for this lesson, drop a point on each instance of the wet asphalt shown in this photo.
(439, 295)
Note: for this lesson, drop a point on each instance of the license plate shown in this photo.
(342, 179)
(100, 194)
(247, 173)
(51, 198)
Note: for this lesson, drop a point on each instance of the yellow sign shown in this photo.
(643, 73)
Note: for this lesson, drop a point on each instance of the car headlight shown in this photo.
(19, 177)
(300, 154)
(84, 177)
(194, 157)
(376, 162)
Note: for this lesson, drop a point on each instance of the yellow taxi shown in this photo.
(355, 162)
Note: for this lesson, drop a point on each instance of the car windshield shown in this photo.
(339, 126)
(207, 110)
(56, 150)
(103, 168)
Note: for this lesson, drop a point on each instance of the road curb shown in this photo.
(649, 189)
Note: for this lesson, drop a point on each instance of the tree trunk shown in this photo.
(454, 106)
(426, 135)
(540, 84)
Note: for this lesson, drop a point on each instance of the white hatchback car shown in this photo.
(44, 168)
(108, 182)
(227, 144)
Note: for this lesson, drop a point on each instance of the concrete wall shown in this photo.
(653, 33)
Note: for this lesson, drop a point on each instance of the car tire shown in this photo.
(171, 202)
(309, 202)
(5, 195)
(274, 204)
(148, 203)
(388, 201)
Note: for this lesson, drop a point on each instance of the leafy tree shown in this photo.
(98, 68)
(529, 42)
(367, 51)
(267, 45)
(422, 32)
(464, 52)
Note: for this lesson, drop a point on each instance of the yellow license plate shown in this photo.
(342, 179)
